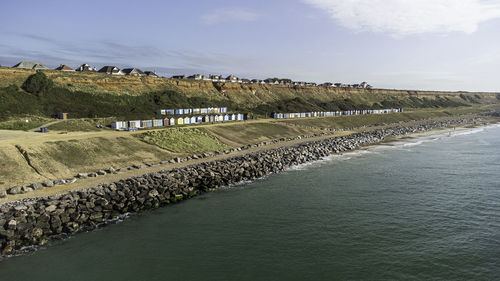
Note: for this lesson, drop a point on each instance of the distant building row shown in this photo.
(137, 124)
(334, 113)
(113, 70)
(269, 81)
(108, 69)
(188, 111)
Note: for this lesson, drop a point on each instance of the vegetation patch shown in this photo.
(19, 122)
(182, 140)
(84, 124)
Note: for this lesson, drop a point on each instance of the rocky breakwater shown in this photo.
(32, 222)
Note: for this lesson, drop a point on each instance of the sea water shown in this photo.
(418, 209)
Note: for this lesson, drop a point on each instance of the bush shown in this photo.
(37, 83)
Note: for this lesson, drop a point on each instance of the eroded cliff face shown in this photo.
(248, 94)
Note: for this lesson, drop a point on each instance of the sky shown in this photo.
(402, 44)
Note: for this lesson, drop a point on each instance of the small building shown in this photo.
(196, 77)
(179, 77)
(187, 120)
(146, 123)
(203, 110)
(188, 111)
(86, 68)
(161, 112)
(133, 72)
(134, 124)
(193, 120)
(232, 79)
(62, 115)
(64, 67)
(171, 121)
(199, 119)
(233, 117)
(206, 119)
(158, 123)
(196, 111)
(150, 73)
(169, 111)
(31, 65)
(119, 125)
(180, 121)
(166, 122)
(226, 118)
(179, 111)
(109, 69)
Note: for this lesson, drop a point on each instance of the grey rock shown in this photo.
(111, 170)
(48, 183)
(71, 180)
(93, 175)
(82, 175)
(36, 186)
(14, 190)
(3, 193)
(26, 189)
(101, 173)
(60, 182)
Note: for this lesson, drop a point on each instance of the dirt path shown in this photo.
(46, 125)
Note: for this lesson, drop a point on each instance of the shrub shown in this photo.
(37, 83)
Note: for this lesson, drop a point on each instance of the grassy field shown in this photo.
(84, 124)
(182, 140)
(341, 122)
(239, 134)
(19, 123)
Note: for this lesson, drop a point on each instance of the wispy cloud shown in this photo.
(228, 15)
(405, 17)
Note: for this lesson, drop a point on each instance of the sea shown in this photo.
(425, 208)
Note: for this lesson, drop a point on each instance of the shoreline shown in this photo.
(32, 221)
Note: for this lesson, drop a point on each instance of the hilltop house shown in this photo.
(133, 72)
(179, 77)
(214, 78)
(150, 74)
(86, 68)
(196, 77)
(109, 69)
(64, 67)
(232, 78)
(31, 65)
(327, 84)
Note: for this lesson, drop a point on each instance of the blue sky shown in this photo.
(418, 44)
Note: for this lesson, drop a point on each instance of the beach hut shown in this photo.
(118, 125)
(196, 110)
(62, 115)
(199, 119)
(193, 120)
(187, 120)
(223, 110)
(134, 124)
(203, 110)
(158, 123)
(147, 123)
(188, 111)
(166, 122)
(233, 117)
(225, 117)
(170, 111)
(180, 121)
(171, 121)
(161, 112)
(179, 111)
(239, 117)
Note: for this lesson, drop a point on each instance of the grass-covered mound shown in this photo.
(183, 140)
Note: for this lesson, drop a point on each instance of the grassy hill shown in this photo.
(91, 95)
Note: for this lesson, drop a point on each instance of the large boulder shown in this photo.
(14, 190)
(48, 183)
(3, 193)
(36, 186)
